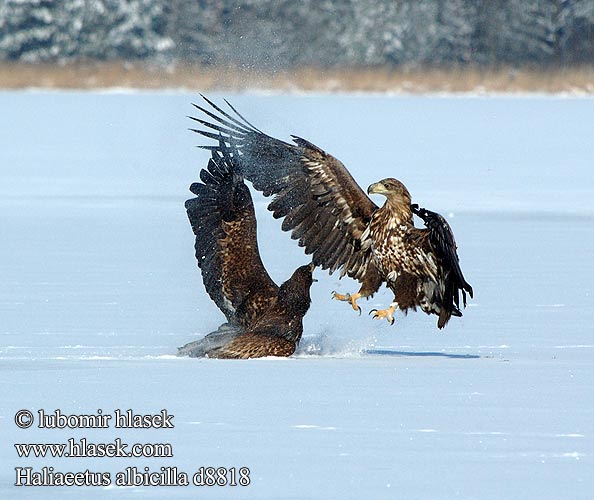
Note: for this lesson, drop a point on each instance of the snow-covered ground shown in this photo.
(99, 286)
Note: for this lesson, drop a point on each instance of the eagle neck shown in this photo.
(399, 213)
(294, 297)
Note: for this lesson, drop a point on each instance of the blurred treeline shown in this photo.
(282, 34)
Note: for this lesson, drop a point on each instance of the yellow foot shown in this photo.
(384, 313)
(349, 298)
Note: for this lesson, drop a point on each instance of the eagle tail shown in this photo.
(211, 342)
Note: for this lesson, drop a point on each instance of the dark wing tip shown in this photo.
(304, 143)
(442, 239)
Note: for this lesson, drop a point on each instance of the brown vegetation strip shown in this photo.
(199, 78)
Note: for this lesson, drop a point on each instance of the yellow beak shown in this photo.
(376, 188)
(311, 270)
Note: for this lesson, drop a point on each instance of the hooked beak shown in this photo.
(311, 270)
(376, 188)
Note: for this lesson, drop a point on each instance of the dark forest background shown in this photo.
(281, 34)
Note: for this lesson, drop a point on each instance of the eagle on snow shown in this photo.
(263, 319)
(340, 226)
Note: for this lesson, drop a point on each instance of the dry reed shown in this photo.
(199, 78)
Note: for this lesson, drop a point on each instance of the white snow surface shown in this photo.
(100, 286)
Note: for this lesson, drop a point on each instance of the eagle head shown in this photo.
(294, 293)
(393, 190)
(304, 276)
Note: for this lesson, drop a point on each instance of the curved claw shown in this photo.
(352, 299)
(384, 313)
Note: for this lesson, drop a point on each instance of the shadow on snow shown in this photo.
(413, 354)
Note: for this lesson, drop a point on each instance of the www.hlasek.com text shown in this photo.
(84, 449)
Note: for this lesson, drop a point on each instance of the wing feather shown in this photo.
(223, 220)
(443, 244)
(313, 191)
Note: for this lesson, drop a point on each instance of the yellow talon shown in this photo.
(384, 313)
(348, 298)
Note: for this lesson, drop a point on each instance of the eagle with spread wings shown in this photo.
(263, 319)
(340, 226)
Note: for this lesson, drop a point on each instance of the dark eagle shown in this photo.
(339, 225)
(263, 318)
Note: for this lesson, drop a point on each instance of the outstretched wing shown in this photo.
(322, 205)
(223, 220)
(443, 244)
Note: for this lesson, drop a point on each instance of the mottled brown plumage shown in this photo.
(339, 225)
(419, 265)
(263, 319)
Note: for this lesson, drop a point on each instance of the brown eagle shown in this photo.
(263, 319)
(341, 227)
